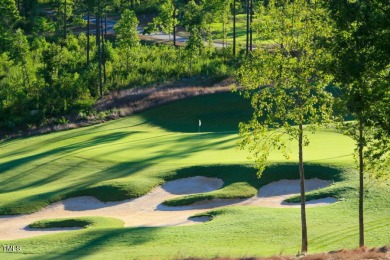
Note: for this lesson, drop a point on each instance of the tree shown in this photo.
(127, 36)
(88, 5)
(234, 26)
(218, 10)
(126, 29)
(166, 20)
(28, 7)
(286, 89)
(9, 18)
(64, 12)
(361, 67)
(194, 22)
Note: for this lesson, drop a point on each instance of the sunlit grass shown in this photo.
(128, 157)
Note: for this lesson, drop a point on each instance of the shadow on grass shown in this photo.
(115, 182)
(105, 183)
(98, 140)
(66, 135)
(217, 112)
(97, 240)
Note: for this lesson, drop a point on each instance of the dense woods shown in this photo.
(55, 61)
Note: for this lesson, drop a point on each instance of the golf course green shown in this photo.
(128, 157)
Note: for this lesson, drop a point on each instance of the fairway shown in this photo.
(130, 157)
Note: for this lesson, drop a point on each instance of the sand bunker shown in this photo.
(148, 210)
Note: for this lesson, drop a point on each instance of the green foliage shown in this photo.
(166, 19)
(9, 18)
(148, 64)
(9, 14)
(45, 75)
(126, 30)
(376, 148)
(284, 85)
(361, 67)
(43, 25)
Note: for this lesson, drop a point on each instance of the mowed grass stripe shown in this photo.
(130, 156)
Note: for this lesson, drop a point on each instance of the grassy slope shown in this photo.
(127, 157)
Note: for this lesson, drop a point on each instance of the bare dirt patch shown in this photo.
(129, 101)
(381, 253)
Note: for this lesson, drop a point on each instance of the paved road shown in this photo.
(158, 36)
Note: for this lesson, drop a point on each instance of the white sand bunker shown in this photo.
(148, 210)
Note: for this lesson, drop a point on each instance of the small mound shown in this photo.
(192, 185)
(75, 223)
(200, 219)
(60, 223)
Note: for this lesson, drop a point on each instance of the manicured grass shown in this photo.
(119, 160)
(128, 157)
(83, 222)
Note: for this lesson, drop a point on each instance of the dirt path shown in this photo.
(148, 210)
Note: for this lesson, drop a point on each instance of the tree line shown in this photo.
(48, 70)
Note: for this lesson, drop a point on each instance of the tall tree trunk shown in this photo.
(223, 32)
(18, 6)
(105, 27)
(103, 53)
(302, 187)
(247, 27)
(99, 49)
(174, 26)
(26, 77)
(250, 28)
(361, 187)
(25, 8)
(65, 19)
(234, 28)
(88, 34)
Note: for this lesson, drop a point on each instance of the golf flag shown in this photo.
(200, 123)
